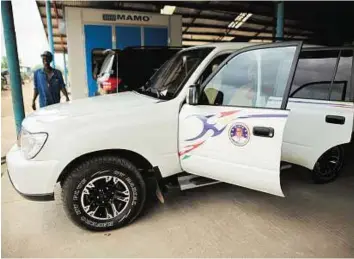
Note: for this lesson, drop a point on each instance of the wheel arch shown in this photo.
(137, 159)
(343, 147)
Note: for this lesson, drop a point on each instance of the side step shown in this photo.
(194, 181)
(191, 181)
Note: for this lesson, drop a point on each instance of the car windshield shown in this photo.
(166, 82)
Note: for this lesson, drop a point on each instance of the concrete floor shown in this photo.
(214, 221)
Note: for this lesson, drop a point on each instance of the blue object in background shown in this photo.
(50, 30)
(96, 36)
(13, 62)
(128, 36)
(155, 36)
(280, 20)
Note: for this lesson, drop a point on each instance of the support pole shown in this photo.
(65, 69)
(13, 62)
(280, 20)
(50, 29)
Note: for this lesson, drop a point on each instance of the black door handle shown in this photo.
(335, 119)
(266, 132)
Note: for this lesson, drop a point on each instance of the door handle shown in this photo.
(335, 119)
(266, 132)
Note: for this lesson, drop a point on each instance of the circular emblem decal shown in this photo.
(239, 134)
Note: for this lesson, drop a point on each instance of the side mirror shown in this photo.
(193, 95)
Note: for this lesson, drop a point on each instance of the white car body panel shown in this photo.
(206, 149)
(128, 121)
(307, 135)
(31, 177)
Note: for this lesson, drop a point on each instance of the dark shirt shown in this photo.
(49, 91)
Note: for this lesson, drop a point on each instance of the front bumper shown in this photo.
(33, 197)
(34, 180)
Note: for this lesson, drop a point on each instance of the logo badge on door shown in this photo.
(239, 134)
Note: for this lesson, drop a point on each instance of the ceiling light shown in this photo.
(260, 40)
(231, 25)
(239, 20)
(168, 9)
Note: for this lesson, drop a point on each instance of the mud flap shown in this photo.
(159, 194)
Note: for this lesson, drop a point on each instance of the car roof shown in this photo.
(225, 45)
(238, 45)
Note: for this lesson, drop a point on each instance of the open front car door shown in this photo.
(228, 133)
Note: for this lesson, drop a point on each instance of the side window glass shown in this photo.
(314, 75)
(212, 67)
(251, 79)
(342, 85)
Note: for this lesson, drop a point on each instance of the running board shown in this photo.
(194, 181)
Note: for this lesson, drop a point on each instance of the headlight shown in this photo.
(32, 143)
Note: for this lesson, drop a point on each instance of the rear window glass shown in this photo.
(343, 75)
(318, 76)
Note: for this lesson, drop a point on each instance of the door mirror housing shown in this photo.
(193, 95)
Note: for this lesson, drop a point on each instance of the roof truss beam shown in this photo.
(206, 26)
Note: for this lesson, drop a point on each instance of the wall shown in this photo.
(77, 18)
(76, 53)
(175, 32)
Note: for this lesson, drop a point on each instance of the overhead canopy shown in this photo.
(325, 23)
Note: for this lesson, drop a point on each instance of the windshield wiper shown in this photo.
(149, 91)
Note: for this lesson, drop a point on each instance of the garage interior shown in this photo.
(202, 22)
(220, 220)
(317, 23)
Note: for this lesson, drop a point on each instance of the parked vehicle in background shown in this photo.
(130, 68)
(107, 77)
(227, 112)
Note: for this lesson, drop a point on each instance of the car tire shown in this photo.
(328, 166)
(104, 193)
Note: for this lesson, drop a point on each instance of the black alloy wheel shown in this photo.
(329, 165)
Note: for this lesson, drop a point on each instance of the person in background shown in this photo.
(48, 82)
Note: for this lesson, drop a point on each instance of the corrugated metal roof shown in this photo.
(318, 22)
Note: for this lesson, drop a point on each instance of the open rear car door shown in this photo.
(136, 65)
(230, 135)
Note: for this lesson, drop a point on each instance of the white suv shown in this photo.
(197, 121)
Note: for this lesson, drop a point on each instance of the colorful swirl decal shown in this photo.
(222, 118)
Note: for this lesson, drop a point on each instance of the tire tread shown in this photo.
(80, 171)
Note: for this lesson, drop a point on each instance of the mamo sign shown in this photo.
(122, 17)
(126, 17)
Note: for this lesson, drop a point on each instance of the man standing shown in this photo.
(48, 82)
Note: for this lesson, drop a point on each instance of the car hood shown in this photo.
(116, 103)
